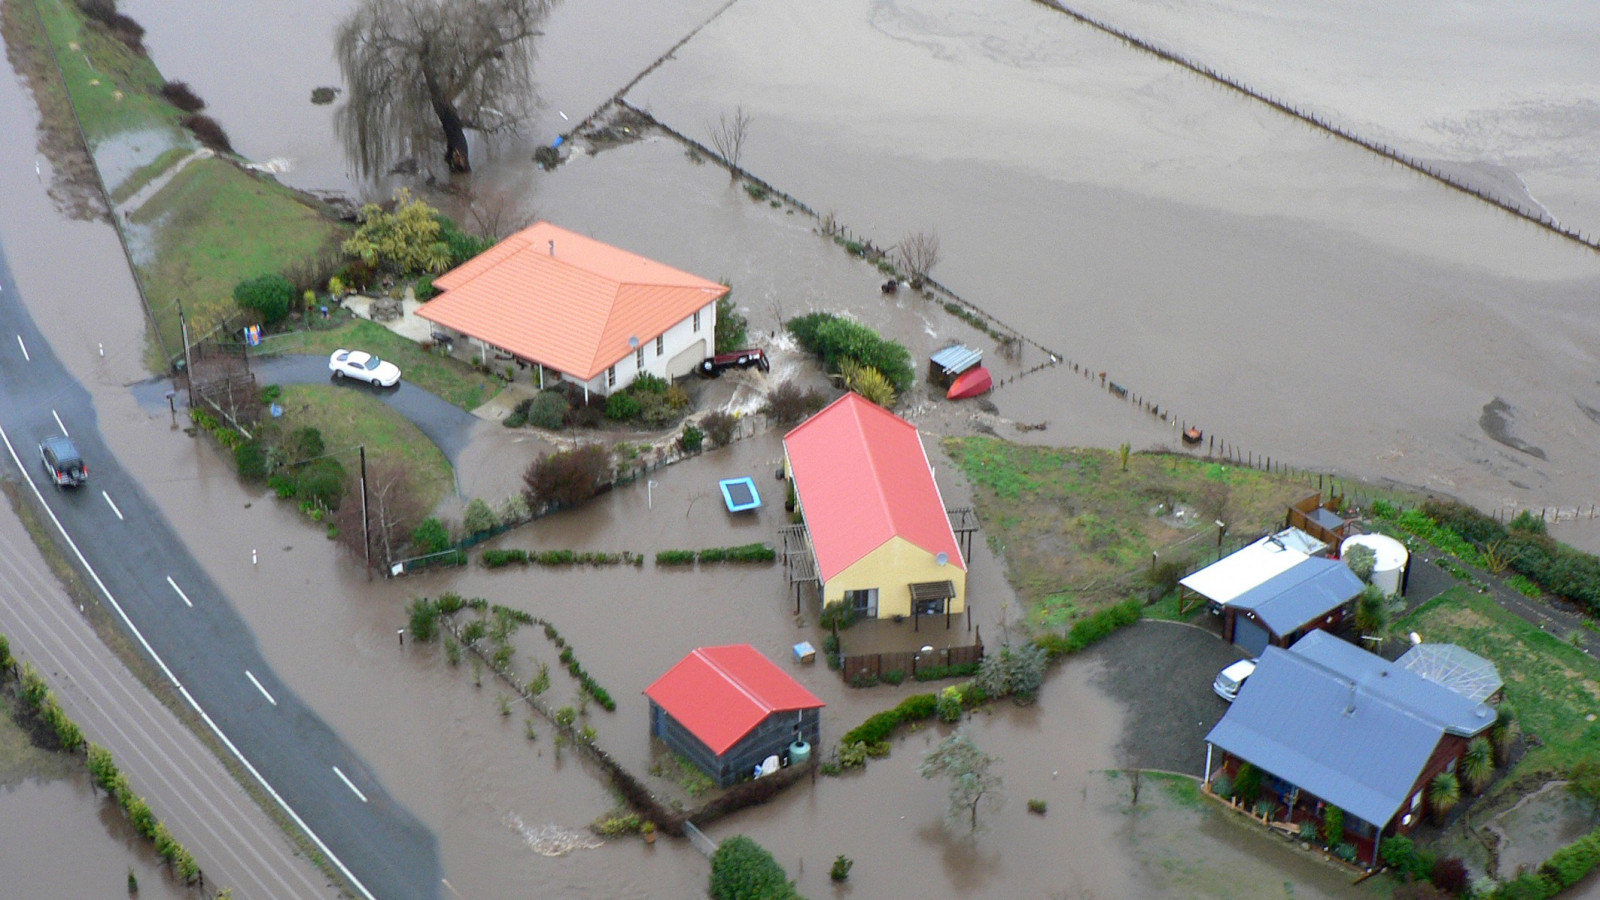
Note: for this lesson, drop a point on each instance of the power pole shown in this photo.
(366, 530)
(188, 364)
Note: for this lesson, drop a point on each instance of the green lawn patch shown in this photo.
(1552, 684)
(147, 173)
(114, 89)
(350, 417)
(1077, 530)
(440, 375)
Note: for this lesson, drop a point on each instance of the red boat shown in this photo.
(971, 383)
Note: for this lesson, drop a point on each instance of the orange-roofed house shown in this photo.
(584, 311)
(877, 525)
(727, 709)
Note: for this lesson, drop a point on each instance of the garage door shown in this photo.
(1251, 637)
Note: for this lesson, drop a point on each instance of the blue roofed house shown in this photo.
(1329, 724)
(1315, 593)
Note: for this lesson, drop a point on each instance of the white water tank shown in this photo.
(1390, 565)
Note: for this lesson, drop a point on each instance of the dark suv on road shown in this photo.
(62, 461)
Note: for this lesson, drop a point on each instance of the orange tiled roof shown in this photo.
(573, 309)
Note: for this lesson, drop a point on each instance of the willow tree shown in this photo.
(421, 70)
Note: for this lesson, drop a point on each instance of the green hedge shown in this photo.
(495, 559)
(1092, 629)
(836, 339)
(744, 553)
(742, 869)
(880, 727)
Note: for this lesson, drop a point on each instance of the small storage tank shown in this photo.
(1388, 572)
(799, 753)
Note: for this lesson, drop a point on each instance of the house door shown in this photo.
(1249, 636)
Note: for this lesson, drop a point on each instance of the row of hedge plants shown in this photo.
(497, 559)
(1565, 868)
(40, 702)
(744, 553)
(839, 341)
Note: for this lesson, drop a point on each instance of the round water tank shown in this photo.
(1391, 559)
(799, 753)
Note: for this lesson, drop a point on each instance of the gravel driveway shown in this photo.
(1161, 672)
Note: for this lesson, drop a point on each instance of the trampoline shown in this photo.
(740, 494)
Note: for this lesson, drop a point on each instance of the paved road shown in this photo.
(176, 615)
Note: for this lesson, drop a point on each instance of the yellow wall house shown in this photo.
(873, 513)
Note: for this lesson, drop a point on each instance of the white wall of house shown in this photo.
(670, 355)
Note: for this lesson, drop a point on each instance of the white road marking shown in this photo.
(233, 748)
(24, 349)
(263, 690)
(349, 785)
(61, 423)
(112, 505)
(180, 592)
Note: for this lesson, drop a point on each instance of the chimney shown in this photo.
(552, 248)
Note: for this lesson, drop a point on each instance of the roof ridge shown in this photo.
(1360, 685)
(733, 679)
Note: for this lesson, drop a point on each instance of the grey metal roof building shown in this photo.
(1343, 724)
(1290, 599)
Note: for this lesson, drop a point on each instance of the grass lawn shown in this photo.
(114, 89)
(442, 376)
(348, 418)
(216, 225)
(146, 174)
(1077, 530)
(1553, 685)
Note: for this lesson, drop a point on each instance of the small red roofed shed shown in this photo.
(728, 708)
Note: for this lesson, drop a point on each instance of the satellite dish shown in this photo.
(633, 342)
(942, 559)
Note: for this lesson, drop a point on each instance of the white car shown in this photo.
(1232, 678)
(363, 366)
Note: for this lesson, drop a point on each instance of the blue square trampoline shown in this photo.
(740, 494)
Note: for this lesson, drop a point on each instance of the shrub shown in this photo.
(1383, 509)
(1450, 875)
(424, 289)
(675, 558)
(460, 245)
(787, 404)
(1013, 672)
(1444, 792)
(691, 439)
(320, 483)
(1093, 628)
(1527, 523)
(646, 383)
(894, 676)
(1247, 784)
(479, 517)
(208, 132)
(179, 94)
(1332, 826)
(1361, 559)
(949, 706)
(839, 616)
(1572, 863)
(1038, 807)
(836, 339)
(269, 296)
(742, 869)
(548, 410)
(1477, 764)
(622, 406)
(430, 536)
(495, 559)
(732, 326)
(424, 615)
(880, 727)
(410, 240)
(841, 868)
(1345, 851)
(566, 478)
(868, 382)
(718, 426)
(251, 460)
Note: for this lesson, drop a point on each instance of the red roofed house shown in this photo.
(593, 314)
(876, 522)
(729, 708)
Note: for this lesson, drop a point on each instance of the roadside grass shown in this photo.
(451, 379)
(114, 89)
(1077, 531)
(350, 416)
(214, 225)
(147, 173)
(1553, 685)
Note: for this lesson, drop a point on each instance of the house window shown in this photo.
(930, 607)
(1416, 801)
(864, 602)
(611, 377)
(638, 359)
(697, 320)
(661, 344)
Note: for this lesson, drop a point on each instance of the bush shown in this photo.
(742, 869)
(691, 439)
(868, 382)
(1332, 825)
(1345, 851)
(879, 728)
(250, 458)
(566, 478)
(1013, 672)
(836, 340)
(1450, 875)
(179, 94)
(841, 868)
(949, 707)
(675, 558)
(494, 559)
(732, 326)
(269, 296)
(479, 517)
(1092, 629)
(718, 426)
(787, 404)
(424, 289)
(1247, 784)
(622, 406)
(838, 615)
(430, 536)
(208, 132)
(548, 410)
(1572, 863)
(458, 244)
(410, 240)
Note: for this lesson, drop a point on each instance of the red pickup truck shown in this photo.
(738, 359)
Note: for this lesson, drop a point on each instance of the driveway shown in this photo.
(1161, 673)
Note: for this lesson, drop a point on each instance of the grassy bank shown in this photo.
(348, 417)
(1554, 686)
(441, 376)
(1077, 528)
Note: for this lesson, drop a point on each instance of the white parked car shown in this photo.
(363, 366)
(1232, 678)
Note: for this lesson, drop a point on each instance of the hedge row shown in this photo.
(1565, 868)
(494, 559)
(742, 869)
(1522, 546)
(1092, 629)
(836, 340)
(745, 553)
(877, 729)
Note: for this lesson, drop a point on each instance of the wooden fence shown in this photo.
(874, 665)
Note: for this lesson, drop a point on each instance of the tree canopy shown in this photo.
(424, 71)
(972, 784)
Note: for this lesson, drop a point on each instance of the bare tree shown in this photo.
(391, 509)
(498, 214)
(972, 784)
(421, 69)
(727, 136)
(918, 253)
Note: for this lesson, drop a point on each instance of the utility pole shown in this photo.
(366, 531)
(188, 364)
